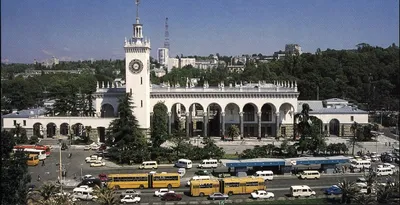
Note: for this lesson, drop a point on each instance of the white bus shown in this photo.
(41, 153)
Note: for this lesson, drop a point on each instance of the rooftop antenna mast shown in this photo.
(166, 35)
(137, 11)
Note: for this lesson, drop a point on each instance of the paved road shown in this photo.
(280, 187)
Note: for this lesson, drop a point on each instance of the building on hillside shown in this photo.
(239, 60)
(263, 109)
(31, 72)
(293, 49)
(180, 62)
(159, 72)
(163, 56)
(235, 68)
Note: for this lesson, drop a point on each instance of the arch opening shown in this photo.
(102, 134)
(51, 129)
(250, 126)
(334, 127)
(268, 116)
(178, 116)
(78, 129)
(196, 117)
(64, 129)
(38, 130)
(214, 120)
(107, 110)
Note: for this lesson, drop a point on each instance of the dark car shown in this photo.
(103, 177)
(171, 197)
(335, 190)
(91, 182)
(202, 173)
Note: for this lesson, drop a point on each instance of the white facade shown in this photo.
(293, 49)
(261, 109)
(163, 56)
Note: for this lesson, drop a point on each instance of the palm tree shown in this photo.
(48, 190)
(349, 190)
(353, 129)
(365, 199)
(371, 180)
(387, 194)
(269, 148)
(105, 196)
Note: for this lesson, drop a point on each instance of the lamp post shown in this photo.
(60, 171)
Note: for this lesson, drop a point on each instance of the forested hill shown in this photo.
(368, 76)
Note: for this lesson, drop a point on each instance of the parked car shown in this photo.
(261, 194)
(202, 173)
(162, 192)
(218, 196)
(171, 197)
(91, 183)
(86, 148)
(334, 189)
(97, 163)
(131, 199)
(129, 192)
(88, 176)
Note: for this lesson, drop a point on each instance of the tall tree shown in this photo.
(14, 173)
(159, 128)
(126, 135)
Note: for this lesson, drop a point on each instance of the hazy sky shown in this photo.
(83, 29)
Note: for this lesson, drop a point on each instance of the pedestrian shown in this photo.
(38, 177)
(43, 163)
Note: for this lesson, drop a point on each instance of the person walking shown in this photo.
(43, 163)
(38, 177)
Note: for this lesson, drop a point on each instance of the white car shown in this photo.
(87, 147)
(161, 192)
(261, 194)
(93, 159)
(131, 199)
(97, 164)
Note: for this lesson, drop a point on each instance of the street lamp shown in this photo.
(60, 171)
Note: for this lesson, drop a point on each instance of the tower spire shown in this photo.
(137, 2)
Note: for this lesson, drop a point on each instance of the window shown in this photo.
(15, 122)
(251, 183)
(141, 81)
(232, 184)
(165, 178)
(352, 118)
(141, 103)
(206, 185)
(24, 122)
(283, 131)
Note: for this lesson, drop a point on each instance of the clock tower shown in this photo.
(137, 71)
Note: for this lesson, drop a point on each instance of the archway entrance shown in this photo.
(196, 117)
(107, 110)
(334, 127)
(51, 129)
(268, 117)
(232, 117)
(64, 129)
(38, 130)
(250, 120)
(178, 113)
(78, 129)
(214, 120)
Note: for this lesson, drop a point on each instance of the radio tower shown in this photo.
(166, 35)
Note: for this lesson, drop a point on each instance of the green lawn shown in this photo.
(230, 156)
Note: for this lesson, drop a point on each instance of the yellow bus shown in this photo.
(165, 180)
(204, 187)
(241, 185)
(33, 160)
(143, 181)
(128, 181)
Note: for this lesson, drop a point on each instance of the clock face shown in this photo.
(136, 66)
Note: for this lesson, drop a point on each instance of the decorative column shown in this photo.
(169, 122)
(57, 132)
(223, 123)
(277, 124)
(205, 123)
(187, 124)
(259, 123)
(241, 124)
(44, 133)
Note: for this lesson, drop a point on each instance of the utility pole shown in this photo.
(61, 185)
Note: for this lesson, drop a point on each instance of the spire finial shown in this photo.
(137, 2)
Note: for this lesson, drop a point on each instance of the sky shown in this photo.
(85, 29)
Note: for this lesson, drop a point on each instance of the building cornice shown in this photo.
(223, 95)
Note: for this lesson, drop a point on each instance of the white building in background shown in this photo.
(293, 49)
(262, 109)
(163, 56)
(180, 62)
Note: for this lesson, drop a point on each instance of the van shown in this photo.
(266, 175)
(196, 178)
(208, 163)
(384, 171)
(184, 163)
(304, 190)
(83, 193)
(149, 165)
(359, 164)
(363, 188)
(309, 174)
(181, 172)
